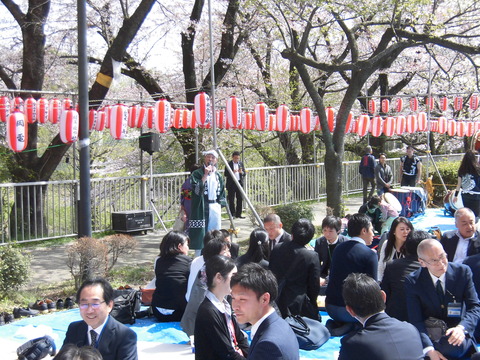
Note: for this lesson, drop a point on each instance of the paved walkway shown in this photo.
(48, 263)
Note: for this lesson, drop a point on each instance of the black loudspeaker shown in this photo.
(149, 142)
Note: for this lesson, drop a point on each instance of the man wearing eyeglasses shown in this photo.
(113, 340)
(440, 290)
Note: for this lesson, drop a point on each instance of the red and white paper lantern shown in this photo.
(470, 128)
(376, 126)
(177, 120)
(234, 112)
(54, 110)
(371, 106)
(458, 103)
(400, 124)
(42, 110)
(4, 108)
(17, 131)
(411, 125)
(261, 116)
(149, 119)
(389, 126)
(119, 121)
(429, 103)
(451, 127)
(134, 120)
(30, 110)
(220, 118)
(422, 121)
(92, 119)
(189, 121)
(433, 125)
(444, 103)
(474, 102)
(18, 104)
(69, 126)
(330, 112)
(283, 118)
(385, 106)
(203, 109)
(461, 128)
(294, 122)
(442, 125)
(363, 124)
(163, 115)
(398, 105)
(414, 104)
(348, 125)
(249, 123)
(307, 120)
(101, 120)
(67, 104)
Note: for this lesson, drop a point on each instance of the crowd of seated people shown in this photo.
(412, 276)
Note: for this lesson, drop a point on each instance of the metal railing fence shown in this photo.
(45, 210)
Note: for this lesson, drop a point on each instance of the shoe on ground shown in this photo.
(68, 304)
(51, 306)
(60, 304)
(241, 217)
(8, 318)
(2, 320)
(19, 312)
(39, 305)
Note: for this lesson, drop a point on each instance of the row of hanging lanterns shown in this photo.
(385, 105)
(118, 118)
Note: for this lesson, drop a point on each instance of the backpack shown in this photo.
(37, 349)
(126, 304)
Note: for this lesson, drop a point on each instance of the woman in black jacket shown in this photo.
(171, 270)
(217, 335)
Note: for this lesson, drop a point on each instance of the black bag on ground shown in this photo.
(436, 328)
(37, 349)
(311, 334)
(126, 304)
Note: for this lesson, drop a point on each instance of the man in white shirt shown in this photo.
(253, 291)
(463, 242)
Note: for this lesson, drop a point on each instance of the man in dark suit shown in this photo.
(352, 256)
(297, 270)
(233, 191)
(276, 235)
(381, 336)
(325, 245)
(253, 292)
(444, 291)
(98, 329)
(473, 262)
(393, 282)
(463, 242)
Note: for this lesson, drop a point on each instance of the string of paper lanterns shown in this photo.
(17, 113)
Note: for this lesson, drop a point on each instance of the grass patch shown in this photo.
(134, 276)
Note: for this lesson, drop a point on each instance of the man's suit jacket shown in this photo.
(116, 342)
(473, 262)
(349, 257)
(393, 283)
(297, 270)
(449, 242)
(383, 337)
(324, 255)
(274, 339)
(423, 301)
(230, 183)
(266, 246)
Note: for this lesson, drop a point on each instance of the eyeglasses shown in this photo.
(95, 306)
(436, 261)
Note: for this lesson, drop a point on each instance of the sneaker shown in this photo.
(19, 312)
(51, 306)
(39, 305)
(68, 303)
(60, 304)
(8, 318)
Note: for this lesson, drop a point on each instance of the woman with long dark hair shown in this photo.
(258, 239)
(393, 248)
(171, 270)
(469, 182)
(217, 335)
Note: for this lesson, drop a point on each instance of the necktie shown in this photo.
(440, 292)
(93, 336)
(272, 244)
